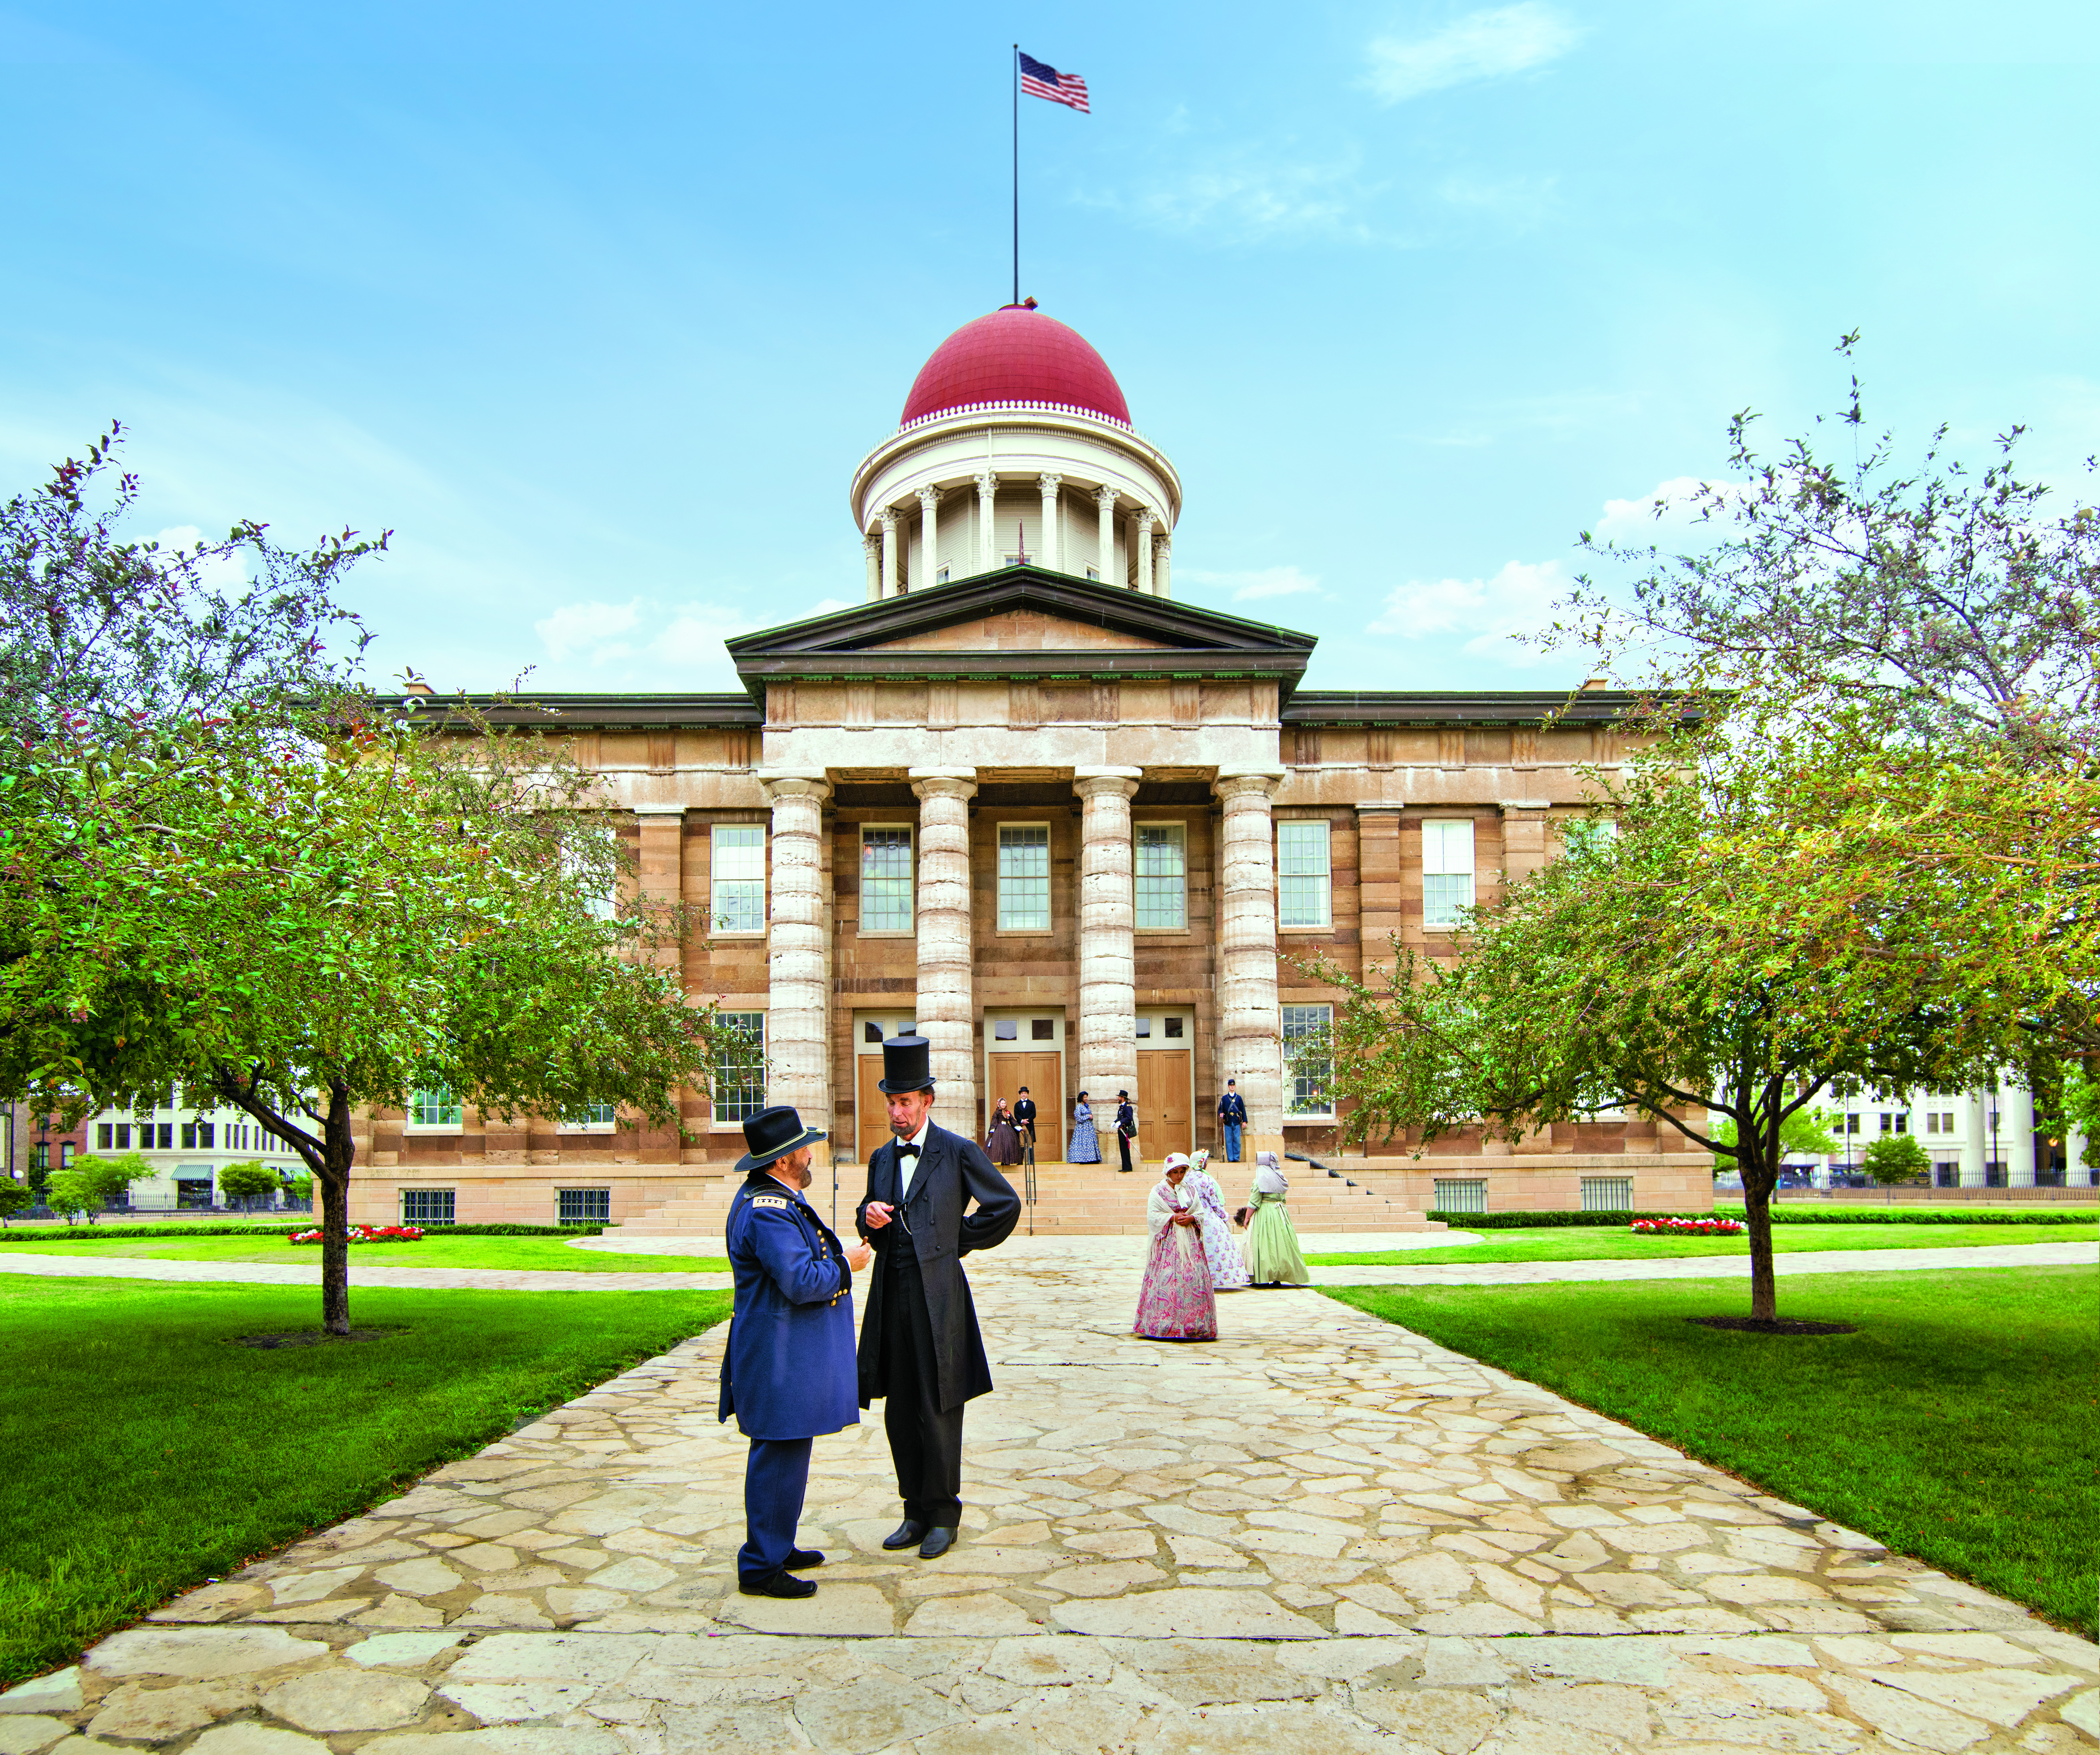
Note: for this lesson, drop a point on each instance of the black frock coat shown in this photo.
(952, 1172)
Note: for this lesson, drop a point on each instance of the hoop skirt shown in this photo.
(1272, 1244)
(1086, 1144)
(1175, 1303)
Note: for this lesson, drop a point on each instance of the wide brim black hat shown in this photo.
(772, 1134)
(907, 1064)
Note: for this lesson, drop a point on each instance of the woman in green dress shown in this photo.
(1271, 1240)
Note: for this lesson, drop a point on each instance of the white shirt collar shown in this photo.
(919, 1139)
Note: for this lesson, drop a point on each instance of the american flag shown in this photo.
(1039, 79)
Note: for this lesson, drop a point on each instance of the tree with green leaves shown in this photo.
(1895, 1158)
(91, 1184)
(15, 1198)
(1806, 1133)
(1721, 952)
(248, 1182)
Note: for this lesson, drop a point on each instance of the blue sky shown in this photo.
(597, 307)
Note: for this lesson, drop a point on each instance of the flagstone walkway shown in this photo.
(1320, 1534)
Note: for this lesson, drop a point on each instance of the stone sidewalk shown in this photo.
(1084, 1255)
(1321, 1533)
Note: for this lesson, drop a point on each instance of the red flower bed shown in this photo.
(367, 1234)
(1689, 1227)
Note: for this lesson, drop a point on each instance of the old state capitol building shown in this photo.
(1071, 829)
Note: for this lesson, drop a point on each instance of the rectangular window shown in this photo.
(591, 862)
(1305, 1061)
(1947, 1120)
(426, 1206)
(740, 1080)
(167, 1136)
(1903, 1122)
(1303, 889)
(1607, 1194)
(101, 1136)
(1163, 877)
(429, 1105)
(1888, 1121)
(1447, 870)
(123, 1136)
(738, 877)
(885, 879)
(583, 1207)
(40, 1155)
(206, 1132)
(1851, 1124)
(189, 1136)
(1462, 1197)
(65, 1154)
(1024, 878)
(598, 1116)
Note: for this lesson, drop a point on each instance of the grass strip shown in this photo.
(1958, 1426)
(1782, 1215)
(277, 1228)
(147, 1451)
(1583, 1244)
(541, 1254)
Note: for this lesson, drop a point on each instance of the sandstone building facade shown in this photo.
(1077, 832)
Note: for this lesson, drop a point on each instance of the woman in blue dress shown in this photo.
(1086, 1146)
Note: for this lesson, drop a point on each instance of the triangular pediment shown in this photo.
(1028, 616)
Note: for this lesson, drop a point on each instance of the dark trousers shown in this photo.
(1123, 1145)
(925, 1440)
(776, 1475)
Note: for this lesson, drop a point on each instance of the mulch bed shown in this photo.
(1772, 1325)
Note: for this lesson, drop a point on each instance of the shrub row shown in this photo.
(89, 1233)
(1782, 1215)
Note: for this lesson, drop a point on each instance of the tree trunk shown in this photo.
(1760, 1177)
(334, 1183)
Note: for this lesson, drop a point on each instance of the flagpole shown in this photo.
(1017, 174)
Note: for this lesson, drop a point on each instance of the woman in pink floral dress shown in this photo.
(1176, 1303)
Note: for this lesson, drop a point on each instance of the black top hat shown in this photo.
(907, 1064)
(773, 1134)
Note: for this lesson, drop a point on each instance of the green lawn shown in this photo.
(436, 1250)
(1960, 1425)
(147, 1451)
(1582, 1243)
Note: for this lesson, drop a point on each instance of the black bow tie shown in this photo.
(905, 1146)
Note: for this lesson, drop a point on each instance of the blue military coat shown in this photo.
(788, 1369)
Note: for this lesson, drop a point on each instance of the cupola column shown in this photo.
(1108, 947)
(1162, 566)
(947, 1002)
(888, 553)
(987, 519)
(871, 545)
(1046, 547)
(1106, 499)
(1140, 542)
(930, 498)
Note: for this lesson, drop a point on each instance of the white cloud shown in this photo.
(1251, 587)
(1677, 499)
(644, 639)
(1491, 614)
(592, 630)
(1504, 40)
(1251, 194)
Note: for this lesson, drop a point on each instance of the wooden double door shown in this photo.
(1165, 1121)
(1043, 1073)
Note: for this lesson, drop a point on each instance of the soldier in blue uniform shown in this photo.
(788, 1372)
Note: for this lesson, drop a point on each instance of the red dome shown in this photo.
(1016, 355)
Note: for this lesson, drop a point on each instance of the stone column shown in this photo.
(798, 990)
(872, 545)
(1976, 1143)
(1162, 566)
(2076, 1174)
(947, 1002)
(1140, 542)
(1106, 499)
(987, 520)
(1107, 953)
(930, 498)
(888, 553)
(1249, 1025)
(2016, 1135)
(1046, 547)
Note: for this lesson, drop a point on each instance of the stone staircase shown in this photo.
(1072, 1201)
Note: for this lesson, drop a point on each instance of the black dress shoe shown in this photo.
(937, 1542)
(905, 1534)
(777, 1585)
(801, 1560)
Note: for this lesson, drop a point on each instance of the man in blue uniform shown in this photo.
(920, 1348)
(788, 1374)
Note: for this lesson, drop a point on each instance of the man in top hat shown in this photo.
(920, 1347)
(787, 1372)
(1024, 1117)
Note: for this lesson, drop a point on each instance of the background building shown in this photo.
(1075, 831)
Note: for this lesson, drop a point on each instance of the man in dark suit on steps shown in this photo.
(920, 1347)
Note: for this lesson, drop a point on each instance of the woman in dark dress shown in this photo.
(1003, 1139)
